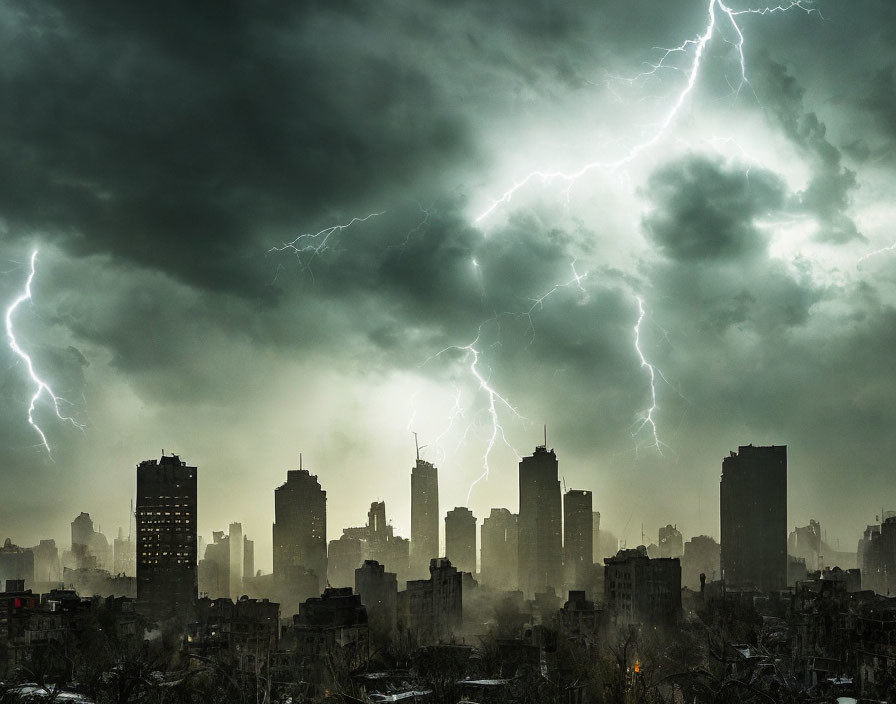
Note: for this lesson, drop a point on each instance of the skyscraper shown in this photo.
(424, 517)
(498, 546)
(235, 563)
(753, 512)
(578, 538)
(460, 539)
(300, 530)
(166, 537)
(540, 546)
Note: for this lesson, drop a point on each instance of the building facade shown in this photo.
(300, 531)
(753, 512)
(578, 538)
(460, 539)
(642, 589)
(499, 548)
(540, 546)
(424, 517)
(166, 537)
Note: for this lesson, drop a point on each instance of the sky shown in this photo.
(729, 238)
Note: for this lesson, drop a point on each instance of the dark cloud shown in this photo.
(703, 211)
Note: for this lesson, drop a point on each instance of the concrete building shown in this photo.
(16, 564)
(578, 539)
(248, 627)
(753, 511)
(671, 543)
(335, 622)
(378, 591)
(344, 556)
(701, 556)
(300, 533)
(460, 539)
(47, 567)
(248, 558)
(638, 589)
(596, 557)
(124, 555)
(236, 548)
(431, 610)
(540, 547)
(879, 558)
(424, 517)
(499, 550)
(166, 537)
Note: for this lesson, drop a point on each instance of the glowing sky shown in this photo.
(158, 158)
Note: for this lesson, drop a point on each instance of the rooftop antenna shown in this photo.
(545, 436)
(300, 460)
(418, 446)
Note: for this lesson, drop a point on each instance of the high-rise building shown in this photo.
(540, 546)
(498, 545)
(300, 529)
(248, 557)
(166, 537)
(378, 590)
(460, 539)
(578, 538)
(753, 512)
(596, 557)
(424, 517)
(236, 548)
(671, 544)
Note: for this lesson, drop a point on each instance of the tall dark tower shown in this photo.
(166, 538)
(300, 530)
(460, 539)
(753, 512)
(540, 546)
(424, 517)
(578, 538)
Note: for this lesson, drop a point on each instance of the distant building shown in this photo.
(424, 517)
(124, 555)
(431, 610)
(460, 539)
(540, 547)
(166, 537)
(879, 558)
(753, 509)
(578, 538)
(701, 556)
(670, 542)
(344, 556)
(640, 589)
(47, 568)
(90, 548)
(16, 564)
(378, 591)
(579, 620)
(248, 558)
(596, 557)
(300, 533)
(499, 550)
(237, 552)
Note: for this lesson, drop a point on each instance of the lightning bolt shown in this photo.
(876, 252)
(647, 418)
(495, 399)
(698, 47)
(311, 245)
(41, 387)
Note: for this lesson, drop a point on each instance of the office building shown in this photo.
(460, 539)
(753, 512)
(424, 517)
(578, 538)
(540, 546)
(498, 545)
(166, 537)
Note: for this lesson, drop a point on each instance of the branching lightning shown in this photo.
(876, 252)
(698, 47)
(306, 247)
(40, 386)
(647, 418)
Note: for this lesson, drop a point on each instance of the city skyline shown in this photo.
(725, 279)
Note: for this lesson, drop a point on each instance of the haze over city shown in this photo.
(159, 162)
